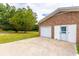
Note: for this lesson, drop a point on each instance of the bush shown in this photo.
(35, 28)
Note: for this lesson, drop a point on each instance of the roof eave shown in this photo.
(75, 8)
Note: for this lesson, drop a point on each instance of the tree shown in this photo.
(20, 19)
(23, 20)
(17, 20)
(2, 14)
(6, 12)
(31, 17)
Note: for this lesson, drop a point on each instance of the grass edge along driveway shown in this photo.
(10, 37)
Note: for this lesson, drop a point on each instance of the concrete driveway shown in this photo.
(37, 47)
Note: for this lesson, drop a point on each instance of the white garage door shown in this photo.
(57, 32)
(45, 31)
(72, 33)
(65, 32)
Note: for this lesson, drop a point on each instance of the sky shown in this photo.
(45, 8)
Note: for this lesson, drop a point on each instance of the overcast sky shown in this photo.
(43, 9)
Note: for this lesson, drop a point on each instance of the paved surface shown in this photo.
(37, 47)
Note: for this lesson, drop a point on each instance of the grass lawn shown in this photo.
(78, 49)
(10, 37)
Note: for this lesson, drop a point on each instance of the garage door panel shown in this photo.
(57, 32)
(72, 33)
(45, 31)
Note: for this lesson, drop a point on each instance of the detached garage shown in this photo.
(62, 24)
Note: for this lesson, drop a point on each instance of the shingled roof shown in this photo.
(61, 9)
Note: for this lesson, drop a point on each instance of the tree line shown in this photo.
(17, 19)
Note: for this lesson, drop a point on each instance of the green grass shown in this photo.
(77, 48)
(10, 37)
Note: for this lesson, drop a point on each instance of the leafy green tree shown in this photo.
(17, 20)
(23, 20)
(2, 14)
(6, 12)
(31, 17)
